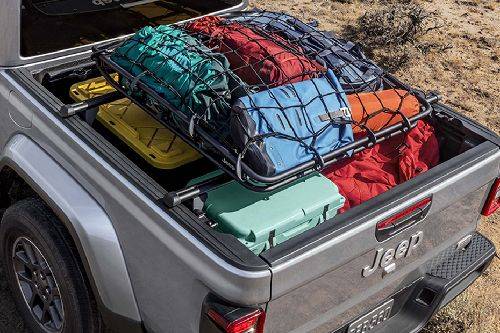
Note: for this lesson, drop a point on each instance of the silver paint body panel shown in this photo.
(88, 220)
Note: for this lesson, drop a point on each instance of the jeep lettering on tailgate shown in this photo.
(384, 258)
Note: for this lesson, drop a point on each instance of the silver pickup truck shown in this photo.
(87, 240)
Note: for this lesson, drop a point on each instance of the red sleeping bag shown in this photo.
(385, 165)
(256, 59)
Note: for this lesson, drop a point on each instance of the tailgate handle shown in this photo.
(403, 219)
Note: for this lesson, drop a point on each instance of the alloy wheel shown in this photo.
(38, 285)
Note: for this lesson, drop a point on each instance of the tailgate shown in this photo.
(320, 286)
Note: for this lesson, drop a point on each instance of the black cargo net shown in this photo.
(262, 94)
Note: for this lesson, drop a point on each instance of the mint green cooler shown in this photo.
(262, 220)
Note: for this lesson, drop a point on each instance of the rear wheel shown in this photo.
(44, 276)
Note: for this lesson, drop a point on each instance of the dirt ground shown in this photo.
(459, 57)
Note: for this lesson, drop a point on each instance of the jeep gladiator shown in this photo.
(87, 240)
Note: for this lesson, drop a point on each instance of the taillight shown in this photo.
(252, 322)
(493, 201)
(221, 316)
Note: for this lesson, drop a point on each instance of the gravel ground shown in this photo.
(10, 322)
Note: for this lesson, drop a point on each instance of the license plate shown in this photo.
(372, 319)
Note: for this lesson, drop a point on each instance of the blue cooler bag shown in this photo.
(283, 127)
(357, 73)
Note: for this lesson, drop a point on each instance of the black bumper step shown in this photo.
(452, 263)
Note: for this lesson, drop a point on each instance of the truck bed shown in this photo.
(317, 277)
(456, 135)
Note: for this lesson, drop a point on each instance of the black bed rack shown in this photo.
(227, 160)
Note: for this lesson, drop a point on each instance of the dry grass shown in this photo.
(461, 60)
(395, 32)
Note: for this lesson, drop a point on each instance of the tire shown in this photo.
(44, 275)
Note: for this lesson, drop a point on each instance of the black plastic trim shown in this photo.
(403, 223)
(469, 123)
(116, 323)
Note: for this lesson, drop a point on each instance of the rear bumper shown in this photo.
(448, 275)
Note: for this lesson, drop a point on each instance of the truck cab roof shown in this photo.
(38, 30)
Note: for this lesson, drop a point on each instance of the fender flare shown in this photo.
(86, 221)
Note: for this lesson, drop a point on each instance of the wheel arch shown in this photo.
(88, 225)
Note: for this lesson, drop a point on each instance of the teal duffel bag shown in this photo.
(191, 77)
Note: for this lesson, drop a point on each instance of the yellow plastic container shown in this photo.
(150, 139)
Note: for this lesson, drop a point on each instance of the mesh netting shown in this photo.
(265, 89)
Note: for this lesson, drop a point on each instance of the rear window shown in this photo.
(52, 25)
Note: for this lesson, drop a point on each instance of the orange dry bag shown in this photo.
(377, 110)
